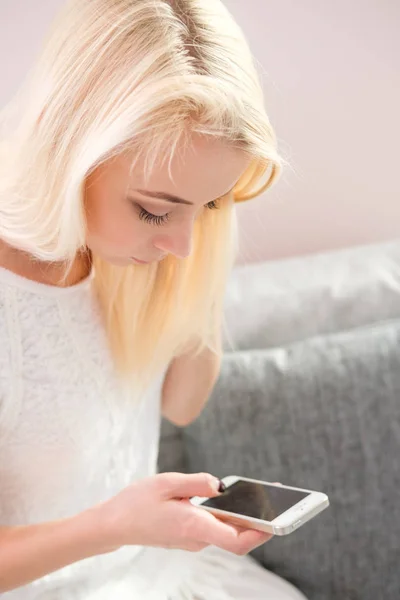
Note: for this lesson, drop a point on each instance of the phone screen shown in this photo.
(257, 500)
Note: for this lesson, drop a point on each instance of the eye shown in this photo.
(212, 205)
(148, 217)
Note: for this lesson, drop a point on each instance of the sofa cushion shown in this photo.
(323, 414)
(276, 303)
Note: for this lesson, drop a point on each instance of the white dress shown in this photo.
(71, 436)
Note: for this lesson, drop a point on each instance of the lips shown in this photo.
(147, 262)
(140, 262)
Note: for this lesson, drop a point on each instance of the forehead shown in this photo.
(201, 169)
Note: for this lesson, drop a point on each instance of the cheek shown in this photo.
(111, 222)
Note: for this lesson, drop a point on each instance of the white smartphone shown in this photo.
(268, 507)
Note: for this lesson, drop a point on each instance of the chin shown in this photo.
(117, 262)
(126, 262)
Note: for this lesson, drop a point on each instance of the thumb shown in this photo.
(179, 485)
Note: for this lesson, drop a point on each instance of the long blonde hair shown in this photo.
(137, 75)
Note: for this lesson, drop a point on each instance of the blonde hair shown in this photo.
(138, 75)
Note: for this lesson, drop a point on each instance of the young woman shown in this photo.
(141, 125)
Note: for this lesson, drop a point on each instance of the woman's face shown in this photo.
(131, 220)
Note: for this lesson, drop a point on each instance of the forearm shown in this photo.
(31, 552)
(188, 385)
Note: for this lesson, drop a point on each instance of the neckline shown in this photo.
(42, 289)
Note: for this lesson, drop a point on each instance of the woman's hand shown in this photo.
(157, 512)
(151, 512)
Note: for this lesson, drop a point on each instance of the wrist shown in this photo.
(96, 530)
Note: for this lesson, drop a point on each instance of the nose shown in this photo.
(178, 243)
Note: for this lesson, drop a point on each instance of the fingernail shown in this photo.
(221, 487)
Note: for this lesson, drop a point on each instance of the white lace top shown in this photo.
(70, 434)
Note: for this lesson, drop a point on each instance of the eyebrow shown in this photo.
(164, 196)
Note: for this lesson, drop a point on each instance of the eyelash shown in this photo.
(159, 220)
(147, 217)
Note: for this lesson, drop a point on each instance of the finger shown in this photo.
(179, 485)
(243, 542)
(250, 539)
(195, 546)
(206, 527)
(224, 535)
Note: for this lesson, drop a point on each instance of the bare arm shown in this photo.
(188, 385)
(28, 553)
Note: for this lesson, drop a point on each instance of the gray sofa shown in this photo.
(309, 395)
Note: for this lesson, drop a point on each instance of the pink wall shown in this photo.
(333, 91)
(332, 82)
